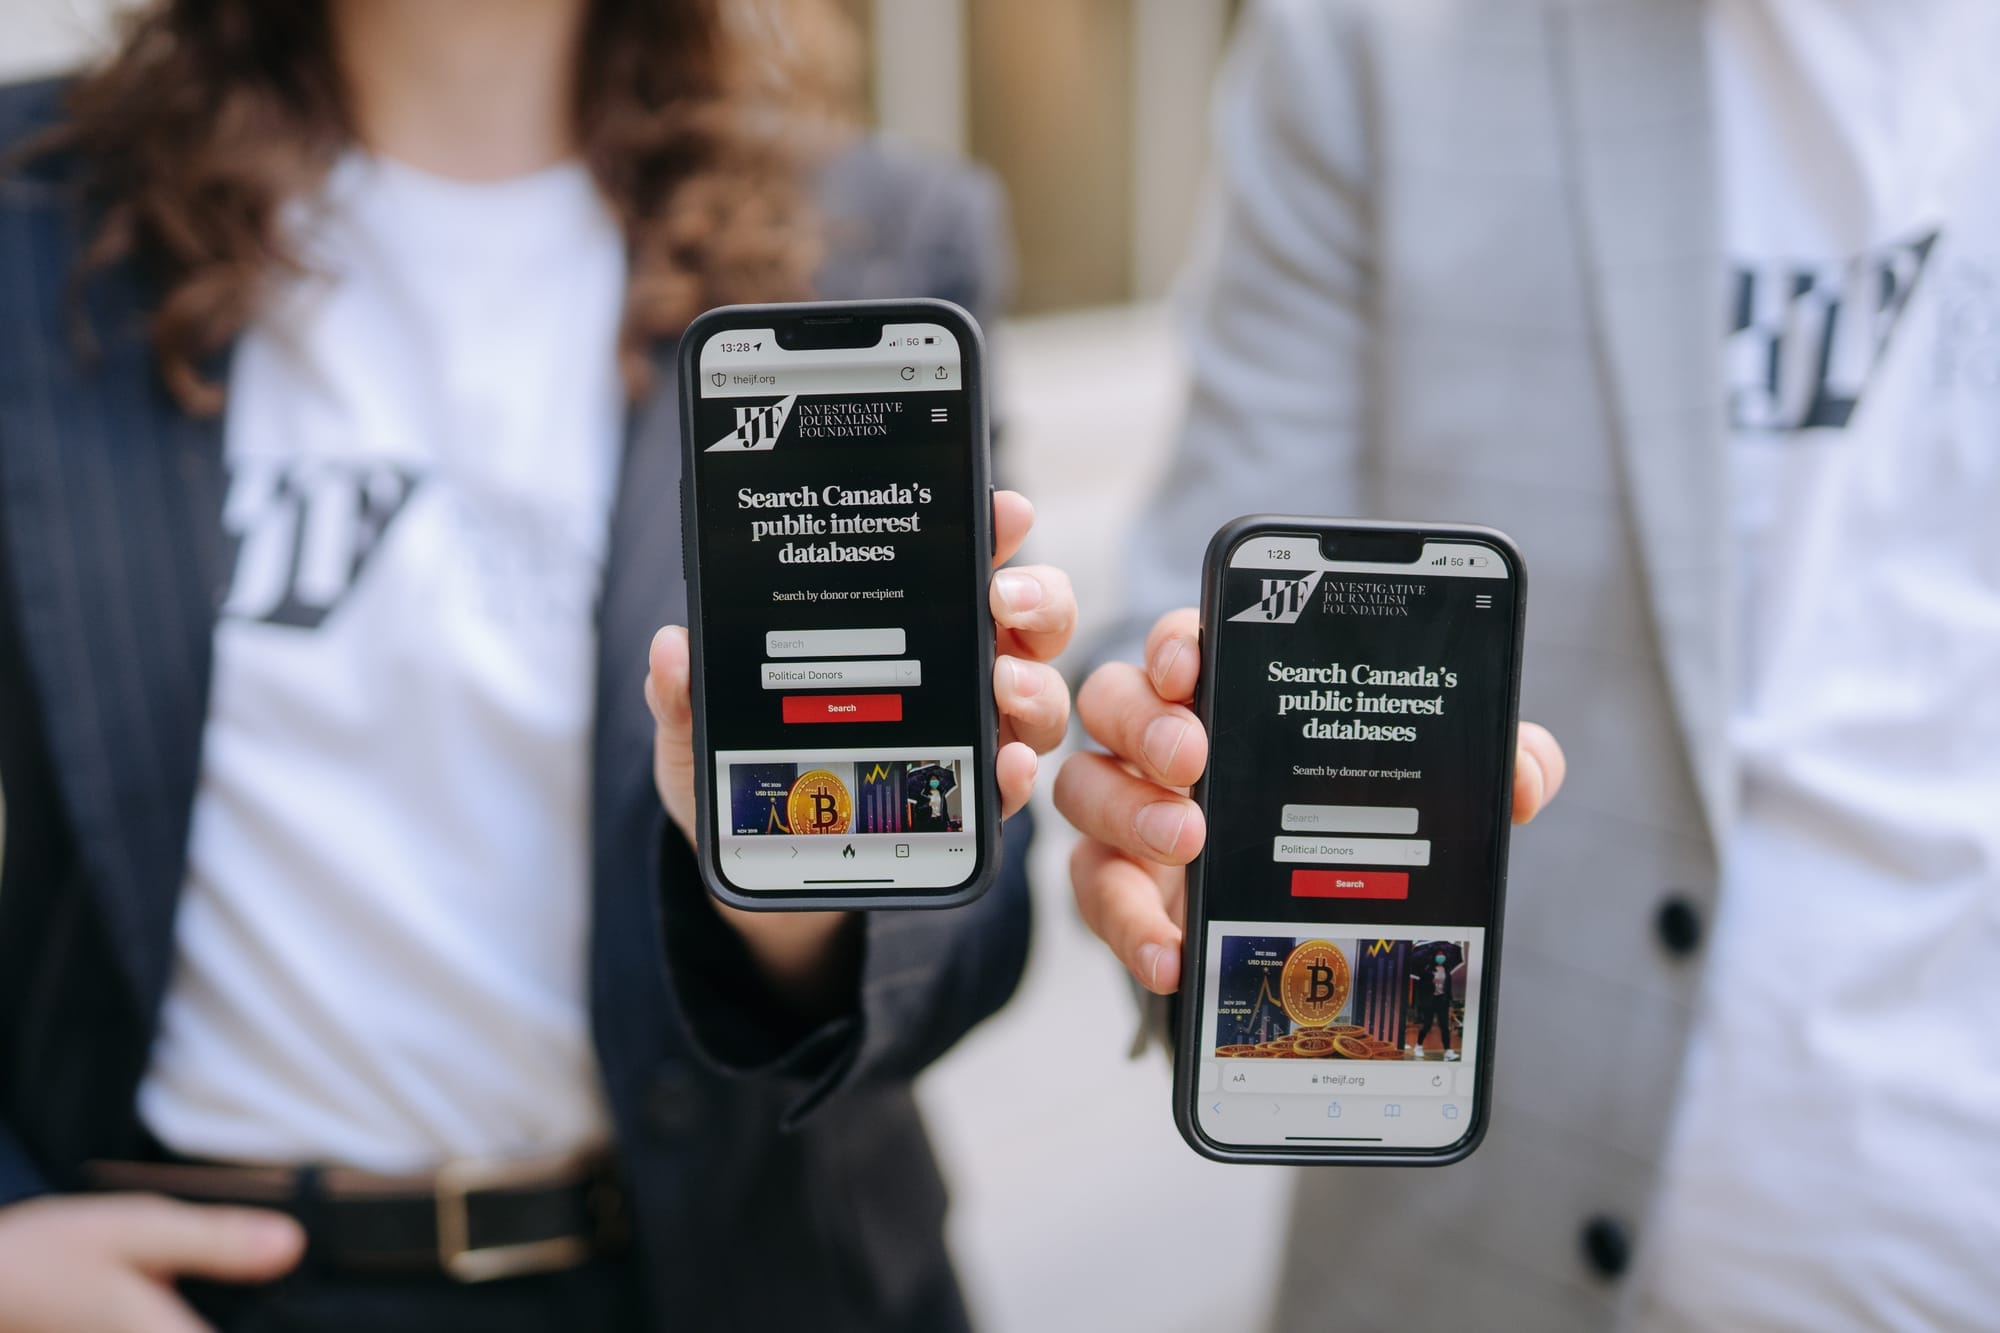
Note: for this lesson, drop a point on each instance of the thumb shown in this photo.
(667, 682)
(170, 1239)
(673, 716)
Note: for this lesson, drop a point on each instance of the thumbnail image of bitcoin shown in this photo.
(1313, 987)
(819, 803)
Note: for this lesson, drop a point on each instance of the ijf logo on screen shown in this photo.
(757, 428)
(1280, 601)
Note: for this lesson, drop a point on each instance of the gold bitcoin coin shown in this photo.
(819, 803)
(1313, 1046)
(1233, 1052)
(1313, 986)
(1347, 1030)
(1353, 1048)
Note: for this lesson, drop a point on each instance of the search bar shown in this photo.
(1352, 851)
(880, 673)
(1414, 1078)
(1348, 819)
(844, 643)
(915, 375)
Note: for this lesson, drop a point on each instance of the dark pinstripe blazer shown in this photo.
(776, 1175)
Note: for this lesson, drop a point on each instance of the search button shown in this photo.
(1350, 884)
(843, 708)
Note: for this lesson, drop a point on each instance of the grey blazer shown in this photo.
(1467, 268)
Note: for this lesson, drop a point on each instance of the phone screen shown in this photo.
(1356, 824)
(842, 588)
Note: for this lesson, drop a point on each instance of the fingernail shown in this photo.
(1162, 741)
(1027, 681)
(1152, 957)
(1159, 825)
(271, 1236)
(1163, 660)
(1531, 767)
(1021, 592)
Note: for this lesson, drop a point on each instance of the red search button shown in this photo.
(843, 708)
(1350, 884)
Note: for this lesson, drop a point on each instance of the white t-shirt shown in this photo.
(381, 946)
(1836, 1160)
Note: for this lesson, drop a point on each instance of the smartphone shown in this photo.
(1360, 685)
(838, 519)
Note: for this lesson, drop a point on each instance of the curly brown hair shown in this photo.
(699, 120)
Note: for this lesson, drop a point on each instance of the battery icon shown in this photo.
(1478, 562)
(929, 341)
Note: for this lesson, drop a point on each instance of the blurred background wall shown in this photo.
(1076, 1204)
(1092, 111)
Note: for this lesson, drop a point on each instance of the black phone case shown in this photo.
(1185, 1021)
(987, 800)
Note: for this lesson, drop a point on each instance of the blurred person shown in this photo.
(349, 905)
(1698, 301)
(1433, 987)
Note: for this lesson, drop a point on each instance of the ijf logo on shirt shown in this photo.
(1804, 339)
(305, 532)
(757, 428)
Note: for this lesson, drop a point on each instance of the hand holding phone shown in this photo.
(1130, 891)
(1141, 826)
(1034, 614)
(861, 698)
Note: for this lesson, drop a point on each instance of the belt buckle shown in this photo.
(456, 1182)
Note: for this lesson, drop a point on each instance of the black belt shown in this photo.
(469, 1220)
